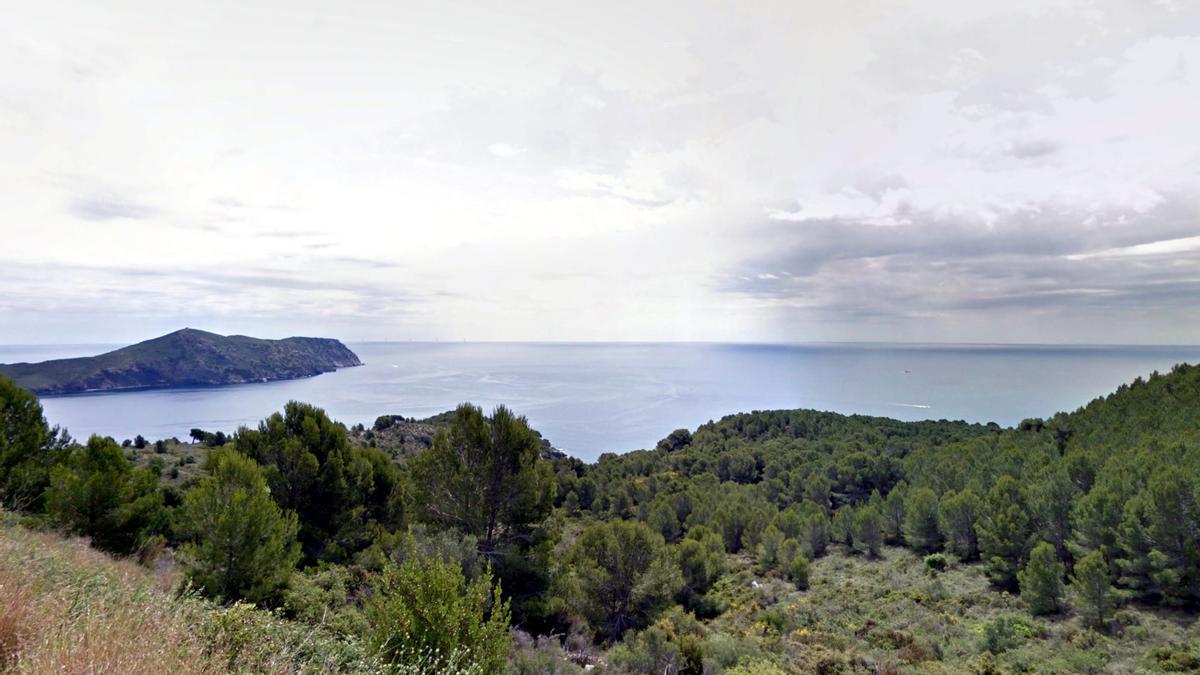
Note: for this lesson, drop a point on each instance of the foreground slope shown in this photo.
(187, 357)
(65, 607)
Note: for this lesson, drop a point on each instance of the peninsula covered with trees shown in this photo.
(185, 358)
(765, 542)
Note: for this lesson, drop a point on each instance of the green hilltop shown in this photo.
(185, 358)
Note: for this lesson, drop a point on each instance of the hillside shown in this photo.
(789, 541)
(65, 607)
(185, 358)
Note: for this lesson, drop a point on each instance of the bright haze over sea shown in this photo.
(589, 398)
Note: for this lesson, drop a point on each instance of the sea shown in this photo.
(592, 398)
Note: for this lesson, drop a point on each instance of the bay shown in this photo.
(589, 398)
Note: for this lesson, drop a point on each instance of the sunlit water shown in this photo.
(594, 398)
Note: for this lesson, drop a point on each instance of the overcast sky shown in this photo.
(1007, 171)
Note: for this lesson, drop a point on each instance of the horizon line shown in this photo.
(748, 343)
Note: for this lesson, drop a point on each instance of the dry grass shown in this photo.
(66, 608)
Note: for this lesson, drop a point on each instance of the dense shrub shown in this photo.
(241, 545)
(425, 612)
(1009, 631)
(621, 575)
(798, 572)
(97, 493)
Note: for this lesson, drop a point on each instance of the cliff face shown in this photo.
(185, 358)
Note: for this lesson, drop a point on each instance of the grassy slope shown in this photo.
(65, 607)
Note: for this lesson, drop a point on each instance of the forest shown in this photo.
(765, 542)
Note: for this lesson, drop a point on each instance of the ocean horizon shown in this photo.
(593, 397)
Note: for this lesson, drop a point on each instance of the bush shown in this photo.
(1009, 631)
(323, 597)
(935, 562)
(1175, 658)
(798, 572)
(543, 656)
(722, 651)
(386, 421)
(654, 650)
(97, 493)
(425, 614)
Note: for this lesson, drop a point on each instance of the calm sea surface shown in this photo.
(592, 398)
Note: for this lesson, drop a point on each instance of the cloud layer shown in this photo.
(934, 171)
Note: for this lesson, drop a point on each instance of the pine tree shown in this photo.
(843, 526)
(1092, 590)
(621, 575)
(700, 562)
(817, 489)
(1005, 530)
(798, 572)
(663, 519)
(485, 477)
(1041, 580)
(868, 530)
(921, 521)
(242, 545)
(815, 534)
(893, 512)
(1096, 518)
(958, 514)
(1160, 537)
(28, 449)
(768, 549)
(335, 489)
(1051, 499)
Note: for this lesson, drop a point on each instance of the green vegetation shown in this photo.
(621, 576)
(29, 448)
(185, 358)
(425, 611)
(1041, 581)
(1093, 590)
(779, 541)
(96, 492)
(240, 544)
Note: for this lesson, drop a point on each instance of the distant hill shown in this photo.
(185, 358)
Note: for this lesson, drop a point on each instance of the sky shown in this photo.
(868, 170)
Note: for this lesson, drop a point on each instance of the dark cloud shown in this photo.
(1034, 259)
